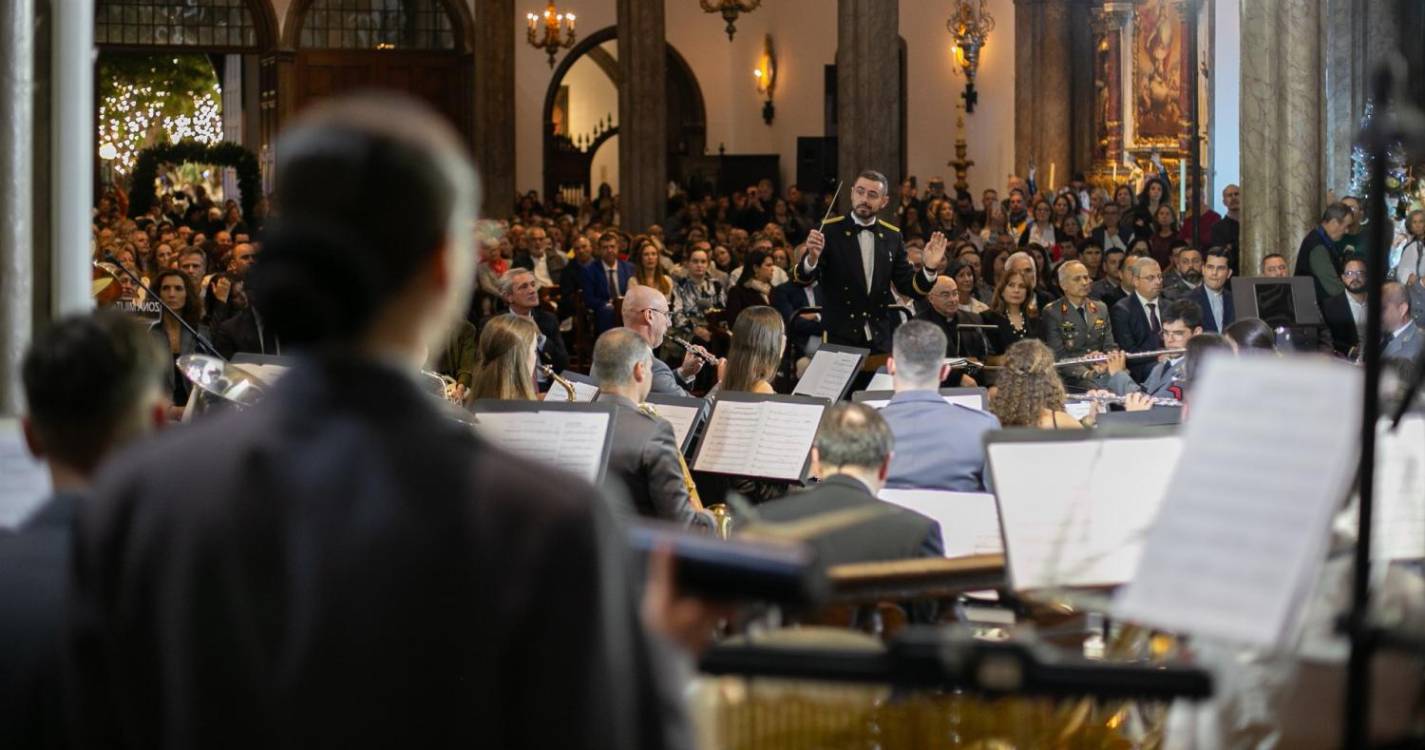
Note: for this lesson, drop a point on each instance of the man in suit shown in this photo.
(852, 456)
(1211, 298)
(1137, 318)
(571, 277)
(1076, 325)
(92, 383)
(1346, 312)
(606, 280)
(520, 290)
(938, 445)
(1117, 281)
(1403, 339)
(245, 333)
(943, 311)
(645, 312)
(540, 258)
(643, 454)
(857, 262)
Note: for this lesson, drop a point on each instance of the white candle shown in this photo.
(1115, 174)
(1182, 185)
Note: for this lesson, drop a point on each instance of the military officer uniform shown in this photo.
(644, 456)
(857, 267)
(1075, 332)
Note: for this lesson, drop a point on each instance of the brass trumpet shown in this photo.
(569, 394)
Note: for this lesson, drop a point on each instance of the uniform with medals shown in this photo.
(1076, 332)
(856, 276)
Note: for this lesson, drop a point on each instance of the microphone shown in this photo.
(109, 258)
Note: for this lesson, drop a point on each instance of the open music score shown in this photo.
(973, 398)
(1076, 506)
(969, 521)
(585, 389)
(573, 437)
(831, 371)
(766, 437)
(24, 480)
(1400, 491)
(1242, 534)
(682, 413)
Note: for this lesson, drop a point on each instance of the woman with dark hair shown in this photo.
(265, 555)
(967, 284)
(1071, 238)
(505, 359)
(1040, 230)
(758, 340)
(648, 267)
(1165, 236)
(178, 292)
(1013, 312)
(1252, 335)
(754, 285)
(1145, 213)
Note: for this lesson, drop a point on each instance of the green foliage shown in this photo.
(180, 73)
(249, 174)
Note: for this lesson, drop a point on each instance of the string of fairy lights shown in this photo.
(133, 117)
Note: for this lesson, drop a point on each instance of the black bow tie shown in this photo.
(866, 228)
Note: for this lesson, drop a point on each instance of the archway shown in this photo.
(421, 48)
(568, 164)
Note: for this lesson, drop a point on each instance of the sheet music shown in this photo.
(1075, 513)
(24, 481)
(681, 417)
(969, 522)
(584, 389)
(573, 441)
(1400, 492)
(882, 382)
(827, 375)
(768, 439)
(1267, 458)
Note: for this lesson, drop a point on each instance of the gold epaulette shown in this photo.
(888, 225)
(647, 410)
(834, 219)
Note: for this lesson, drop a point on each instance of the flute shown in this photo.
(1094, 359)
(697, 351)
(1120, 400)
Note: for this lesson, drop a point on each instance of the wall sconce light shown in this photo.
(765, 74)
(970, 26)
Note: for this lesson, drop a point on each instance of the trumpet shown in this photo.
(569, 394)
(1095, 359)
(696, 350)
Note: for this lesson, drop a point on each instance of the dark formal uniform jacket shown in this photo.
(344, 566)
(244, 332)
(643, 457)
(847, 306)
(552, 352)
(34, 570)
(1344, 334)
(894, 534)
(1135, 334)
(1070, 335)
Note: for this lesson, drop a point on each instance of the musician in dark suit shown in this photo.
(1345, 313)
(520, 290)
(1137, 318)
(643, 455)
(343, 565)
(857, 260)
(605, 280)
(852, 455)
(1212, 297)
(92, 383)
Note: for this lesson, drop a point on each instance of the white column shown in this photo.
(17, 81)
(232, 116)
(72, 147)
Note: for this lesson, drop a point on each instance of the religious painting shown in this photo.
(1158, 63)
(560, 113)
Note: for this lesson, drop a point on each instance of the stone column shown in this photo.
(495, 107)
(642, 114)
(868, 91)
(17, 84)
(1355, 34)
(1083, 48)
(1282, 188)
(1042, 67)
(72, 161)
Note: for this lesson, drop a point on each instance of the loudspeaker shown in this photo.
(816, 164)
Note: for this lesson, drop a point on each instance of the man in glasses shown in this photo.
(645, 312)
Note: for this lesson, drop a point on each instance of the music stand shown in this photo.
(974, 398)
(763, 438)
(825, 355)
(585, 442)
(1280, 303)
(673, 408)
(1158, 416)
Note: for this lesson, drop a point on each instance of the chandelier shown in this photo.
(970, 26)
(729, 10)
(558, 30)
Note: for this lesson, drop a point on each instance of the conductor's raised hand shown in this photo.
(816, 242)
(934, 254)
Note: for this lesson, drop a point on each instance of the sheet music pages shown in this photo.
(573, 441)
(584, 392)
(1075, 513)
(969, 522)
(827, 375)
(766, 439)
(24, 481)
(1267, 458)
(880, 382)
(1400, 492)
(681, 417)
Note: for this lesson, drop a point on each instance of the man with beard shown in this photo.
(1188, 264)
(1345, 313)
(1018, 213)
(1211, 297)
(858, 261)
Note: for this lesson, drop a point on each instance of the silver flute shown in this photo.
(1095, 359)
(697, 351)
(1120, 400)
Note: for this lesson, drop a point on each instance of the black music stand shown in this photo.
(860, 355)
(700, 405)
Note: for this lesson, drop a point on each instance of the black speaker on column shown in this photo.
(816, 164)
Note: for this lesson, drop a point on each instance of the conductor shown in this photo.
(857, 261)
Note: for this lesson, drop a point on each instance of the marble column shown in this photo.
(1042, 103)
(642, 114)
(17, 132)
(868, 91)
(1355, 34)
(1283, 192)
(495, 107)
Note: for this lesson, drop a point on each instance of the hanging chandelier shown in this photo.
(730, 10)
(558, 30)
(970, 26)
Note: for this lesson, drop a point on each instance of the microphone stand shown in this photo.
(186, 326)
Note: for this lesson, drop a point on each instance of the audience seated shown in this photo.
(178, 293)
(1213, 298)
(507, 356)
(540, 258)
(520, 290)
(1138, 318)
(754, 286)
(944, 312)
(939, 445)
(648, 268)
(606, 280)
(1402, 339)
(1345, 313)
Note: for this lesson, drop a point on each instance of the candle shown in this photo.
(1051, 176)
(1182, 186)
(1115, 174)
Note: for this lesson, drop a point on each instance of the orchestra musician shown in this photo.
(505, 360)
(645, 312)
(857, 263)
(343, 565)
(643, 452)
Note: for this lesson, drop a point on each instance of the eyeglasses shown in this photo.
(1353, 274)
(659, 311)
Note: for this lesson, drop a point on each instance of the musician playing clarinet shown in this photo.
(857, 262)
